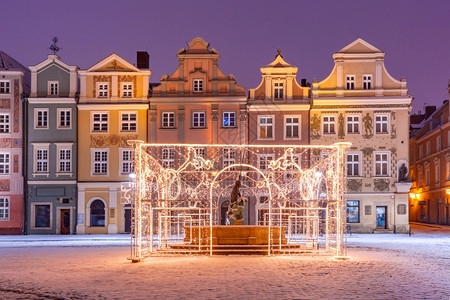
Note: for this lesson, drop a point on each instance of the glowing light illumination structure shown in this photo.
(177, 196)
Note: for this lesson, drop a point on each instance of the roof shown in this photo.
(7, 63)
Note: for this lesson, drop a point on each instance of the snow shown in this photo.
(382, 266)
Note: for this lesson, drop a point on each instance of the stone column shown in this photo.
(81, 214)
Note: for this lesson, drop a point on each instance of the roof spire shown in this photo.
(279, 53)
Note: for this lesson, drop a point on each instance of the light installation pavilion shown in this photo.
(178, 193)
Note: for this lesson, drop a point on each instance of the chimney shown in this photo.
(143, 60)
(303, 82)
(429, 110)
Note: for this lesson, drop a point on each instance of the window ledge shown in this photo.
(228, 127)
(64, 174)
(41, 174)
(198, 128)
(167, 128)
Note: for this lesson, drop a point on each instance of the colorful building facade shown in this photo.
(14, 83)
(429, 145)
(112, 109)
(51, 147)
(361, 103)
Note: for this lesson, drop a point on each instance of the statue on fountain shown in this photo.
(236, 206)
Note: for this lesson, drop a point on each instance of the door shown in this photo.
(223, 213)
(64, 226)
(381, 217)
(127, 220)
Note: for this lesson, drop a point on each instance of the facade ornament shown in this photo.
(153, 116)
(403, 173)
(100, 78)
(381, 185)
(367, 151)
(5, 185)
(354, 185)
(100, 141)
(127, 78)
(243, 116)
(315, 127)
(368, 126)
(181, 115)
(341, 126)
(316, 152)
(214, 115)
(393, 132)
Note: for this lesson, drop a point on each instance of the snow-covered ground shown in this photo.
(95, 267)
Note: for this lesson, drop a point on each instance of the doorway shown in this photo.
(64, 224)
(223, 213)
(381, 217)
(127, 228)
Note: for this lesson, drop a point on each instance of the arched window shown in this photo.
(97, 213)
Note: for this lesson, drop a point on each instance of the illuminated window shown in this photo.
(102, 89)
(353, 164)
(53, 88)
(265, 124)
(229, 119)
(64, 118)
(4, 87)
(199, 119)
(381, 124)
(168, 157)
(127, 90)
(350, 82)
(381, 163)
(329, 125)
(352, 124)
(4, 123)
(41, 118)
(4, 208)
(198, 85)
(99, 122)
(264, 161)
(128, 122)
(168, 120)
(278, 90)
(292, 127)
(367, 82)
(4, 163)
(352, 211)
(228, 156)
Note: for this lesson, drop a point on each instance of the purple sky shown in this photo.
(414, 34)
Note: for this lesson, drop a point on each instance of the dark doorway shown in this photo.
(223, 212)
(381, 217)
(64, 227)
(127, 220)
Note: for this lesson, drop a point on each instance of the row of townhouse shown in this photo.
(430, 165)
(76, 155)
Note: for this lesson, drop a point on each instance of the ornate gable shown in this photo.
(113, 63)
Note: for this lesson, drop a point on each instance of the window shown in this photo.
(64, 118)
(128, 122)
(102, 90)
(419, 178)
(168, 158)
(41, 118)
(350, 82)
(420, 151)
(65, 160)
(353, 164)
(229, 119)
(53, 88)
(291, 171)
(381, 124)
(201, 152)
(100, 162)
(42, 216)
(427, 176)
(428, 148)
(126, 161)
(97, 213)
(292, 127)
(99, 122)
(41, 160)
(438, 143)
(4, 163)
(199, 119)
(448, 171)
(381, 163)
(229, 157)
(367, 82)
(4, 87)
(352, 124)
(265, 127)
(4, 208)
(329, 125)
(168, 119)
(198, 85)
(352, 211)
(278, 90)
(264, 161)
(437, 172)
(127, 90)
(4, 123)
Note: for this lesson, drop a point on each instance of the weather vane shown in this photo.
(55, 48)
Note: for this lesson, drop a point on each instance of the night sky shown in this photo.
(414, 34)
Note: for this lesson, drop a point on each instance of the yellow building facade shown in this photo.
(112, 109)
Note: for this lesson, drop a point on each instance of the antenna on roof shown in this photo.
(55, 48)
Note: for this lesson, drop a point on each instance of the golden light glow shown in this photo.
(412, 195)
